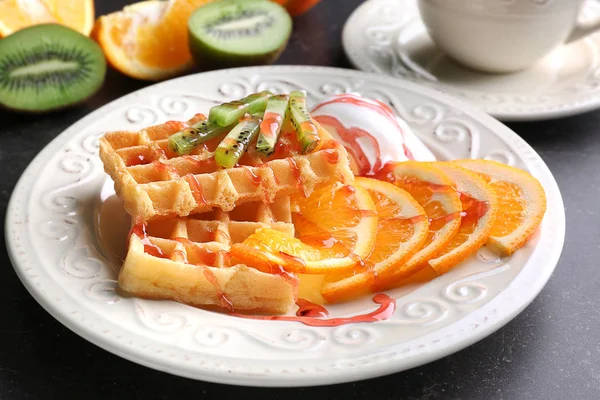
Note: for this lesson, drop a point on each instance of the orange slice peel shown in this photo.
(335, 226)
(521, 203)
(148, 40)
(435, 192)
(402, 230)
(479, 212)
(75, 14)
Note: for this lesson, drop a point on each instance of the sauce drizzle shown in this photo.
(270, 124)
(436, 223)
(256, 180)
(350, 137)
(137, 159)
(196, 189)
(294, 261)
(176, 126)
(206, 165)
(332, 156)
(164, 168)
(473, 209)
(208, 258)
(296, 174)
(150, 248)
(309, 309)
(210, 276)
(387, 307)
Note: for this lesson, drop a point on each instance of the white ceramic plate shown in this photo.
(63, 257)
(388, 37)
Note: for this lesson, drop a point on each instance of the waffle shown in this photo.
(155, 183)
(186, 259)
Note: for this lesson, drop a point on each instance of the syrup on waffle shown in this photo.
(187, 259)
(154, 182)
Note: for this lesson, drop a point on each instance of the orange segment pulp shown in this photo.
(434, 191)
(148, 40)
(402, 231)
(16, 15)
(521, 203)
(335, 226)
(480, 209)
(76, 14)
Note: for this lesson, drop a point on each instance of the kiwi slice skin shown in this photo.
(234, 33)
(48, 67)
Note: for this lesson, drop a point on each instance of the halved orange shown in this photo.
(402, 230)
(435, 192)
(521, 203)
(19, 14)
(148, 40)
(335, 227)
(480, 209)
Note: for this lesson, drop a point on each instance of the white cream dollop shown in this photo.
(370, 132)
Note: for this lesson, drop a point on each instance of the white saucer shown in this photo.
(387, 36)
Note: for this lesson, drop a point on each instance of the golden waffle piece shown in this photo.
(154, 182)
(186, 259)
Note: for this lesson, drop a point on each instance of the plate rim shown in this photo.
(577, 107)
(309, 378)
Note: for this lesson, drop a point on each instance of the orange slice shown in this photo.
(335, 226)
(402, 231)
(434, 191)
(148, 40)
(480, 209)
(76, 14)
(19, 14)
(521, 203)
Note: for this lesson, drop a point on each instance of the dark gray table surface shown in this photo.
(550, 351)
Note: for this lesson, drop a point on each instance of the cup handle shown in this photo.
(582, 30)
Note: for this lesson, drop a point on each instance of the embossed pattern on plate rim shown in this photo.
(517, 295)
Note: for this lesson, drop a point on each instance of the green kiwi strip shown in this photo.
(270, 127)
(186, 140)
(228, 113)
(231, 149)
(306, 129)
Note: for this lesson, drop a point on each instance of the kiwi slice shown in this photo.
(47, 67)
(231, 33)
(232, 148)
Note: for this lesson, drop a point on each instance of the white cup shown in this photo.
(502, 35)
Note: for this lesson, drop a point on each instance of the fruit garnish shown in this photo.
(186, 140)
(231, 149)
(434, 191)
(244, 119)
(148, 40)
(232, 33)
(228, 113)
(305, 126)
(335, 226)
(47, 67)
(401, 232)
(309, 288)
(297, 7)
(479, 213)
(521, 203)
(270, 127)
(75, 14)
